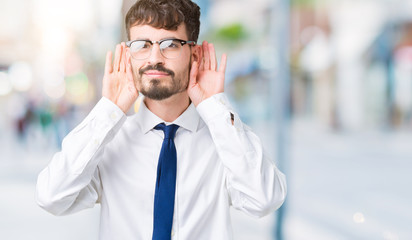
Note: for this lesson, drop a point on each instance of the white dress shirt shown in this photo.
(111, 159)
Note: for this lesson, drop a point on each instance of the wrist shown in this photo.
(198, 101)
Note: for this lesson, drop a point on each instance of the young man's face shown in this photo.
(158, 77)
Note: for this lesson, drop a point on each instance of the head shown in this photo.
(158, 77)
(165, 14)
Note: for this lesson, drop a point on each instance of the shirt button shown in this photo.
(113, 116)
(96, 142)
(173, 233)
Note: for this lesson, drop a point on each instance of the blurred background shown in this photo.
(326, 84)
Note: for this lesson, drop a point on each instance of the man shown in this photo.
(173, 169)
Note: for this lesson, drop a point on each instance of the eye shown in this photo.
(169, 44)
(139, 45)
(173, 45)
(146, 45)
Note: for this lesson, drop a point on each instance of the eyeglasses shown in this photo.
(169, 48)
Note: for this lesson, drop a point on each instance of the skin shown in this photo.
(196, 74)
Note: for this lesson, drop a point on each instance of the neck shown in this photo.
(169, 109)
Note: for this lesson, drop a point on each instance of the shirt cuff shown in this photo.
(105, 114)
(213, 106)
(107, 110)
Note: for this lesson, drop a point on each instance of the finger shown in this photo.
(193, 74)
(129, 77)
(212, 52)
(206, 56)
(128, 58)
(122, 67)
(200, 63)
(108, 68)
(129, 72)
(117, 56)
(223, 62)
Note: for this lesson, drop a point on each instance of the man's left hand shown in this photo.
(205, 80)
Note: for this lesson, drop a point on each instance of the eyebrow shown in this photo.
(147, 39)
(141, 39)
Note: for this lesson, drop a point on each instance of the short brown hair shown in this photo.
(165, 14)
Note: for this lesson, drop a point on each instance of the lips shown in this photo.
(156, 74)
(157, 70)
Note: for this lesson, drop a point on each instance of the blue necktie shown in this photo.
(164, 200)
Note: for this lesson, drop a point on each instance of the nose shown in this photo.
(156, 56)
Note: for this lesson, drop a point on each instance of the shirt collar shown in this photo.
(189, 119)
(147, 120)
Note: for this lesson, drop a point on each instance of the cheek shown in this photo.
(136, 65)
(183, 74)
(135, 72)
(184, 69)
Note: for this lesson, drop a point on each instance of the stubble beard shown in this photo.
(154, 89)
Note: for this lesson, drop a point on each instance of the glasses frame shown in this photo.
(182, 42)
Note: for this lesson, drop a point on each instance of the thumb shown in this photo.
(193, 74)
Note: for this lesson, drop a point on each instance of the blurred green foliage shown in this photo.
(303, 2)
(232, 33)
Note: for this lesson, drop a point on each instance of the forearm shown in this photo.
(254, 183)
(71, 180)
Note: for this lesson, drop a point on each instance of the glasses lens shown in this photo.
(140, 49)
(170, 48)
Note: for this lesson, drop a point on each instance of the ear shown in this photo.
(196, 53)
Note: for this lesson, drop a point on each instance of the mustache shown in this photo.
(157, 67)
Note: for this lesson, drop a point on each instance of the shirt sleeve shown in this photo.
(254, 183)
(71, 181)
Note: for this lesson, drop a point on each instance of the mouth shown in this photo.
(156, 74)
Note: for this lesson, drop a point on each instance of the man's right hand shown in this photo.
(118, 84)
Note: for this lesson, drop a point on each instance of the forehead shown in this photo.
(149, 32)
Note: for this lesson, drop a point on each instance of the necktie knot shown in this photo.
(169, 130)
